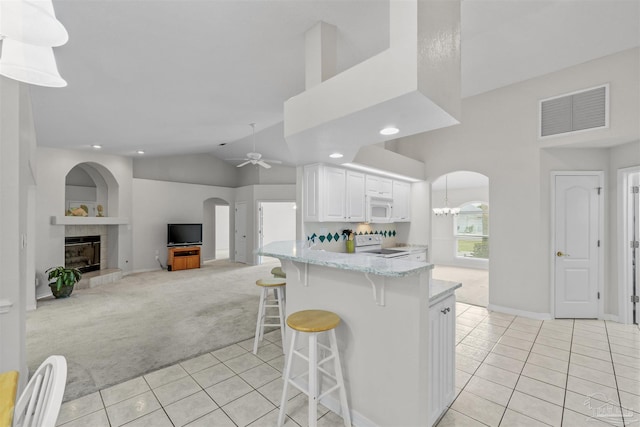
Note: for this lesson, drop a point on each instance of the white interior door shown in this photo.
(241, 232)
(576, 246)
(634, 210)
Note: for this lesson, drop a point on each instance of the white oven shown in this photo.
(378, 209)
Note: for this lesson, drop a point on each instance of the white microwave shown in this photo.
(378, 209)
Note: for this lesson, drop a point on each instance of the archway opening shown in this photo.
(215, 229)
(460, 237)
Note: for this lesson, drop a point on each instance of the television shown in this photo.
(184, 234)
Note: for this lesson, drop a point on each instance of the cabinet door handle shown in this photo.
(445, 310)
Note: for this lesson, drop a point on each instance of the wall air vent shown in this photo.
(575, 112)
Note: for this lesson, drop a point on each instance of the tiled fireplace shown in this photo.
(82, 252)
(86, 247)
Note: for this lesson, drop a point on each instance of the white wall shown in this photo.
(498, 138)
(17, 143)
(203, 169)
(257, 175)
(179, 202)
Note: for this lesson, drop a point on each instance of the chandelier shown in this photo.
(446, 210)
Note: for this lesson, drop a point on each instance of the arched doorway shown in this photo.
(460, 237)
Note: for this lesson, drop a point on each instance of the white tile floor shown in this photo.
(511, 371)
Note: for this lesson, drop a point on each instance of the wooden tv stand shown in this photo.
(183, 258)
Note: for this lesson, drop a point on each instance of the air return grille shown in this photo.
(578, 111)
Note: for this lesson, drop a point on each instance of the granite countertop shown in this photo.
(299, 252)
(410, 248)
(440, 287)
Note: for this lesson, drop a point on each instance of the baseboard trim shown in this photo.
(333, 404)
(611, 318)
(516, 312)
(357, 419)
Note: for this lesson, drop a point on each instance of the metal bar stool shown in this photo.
(313, 322)
(278, 285)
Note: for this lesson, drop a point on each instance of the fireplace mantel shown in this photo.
(88, 220)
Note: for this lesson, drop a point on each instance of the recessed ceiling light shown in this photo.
(140, 151)
(389, 131)
(336, 155)
(96, 146)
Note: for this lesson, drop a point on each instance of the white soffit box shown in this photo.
(414, 86)
(574, 112)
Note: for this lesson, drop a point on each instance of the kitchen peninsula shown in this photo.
(397, 351)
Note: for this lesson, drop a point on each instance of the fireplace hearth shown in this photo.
(82, 252)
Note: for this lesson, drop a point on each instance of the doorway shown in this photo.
(215, 230)
(222, 232)
(577, 237)
(276, 222)
(460, 224)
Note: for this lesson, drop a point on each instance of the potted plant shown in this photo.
(62, 280)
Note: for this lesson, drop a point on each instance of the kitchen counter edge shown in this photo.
(298, 252)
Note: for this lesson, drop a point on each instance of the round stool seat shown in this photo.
(271, 282)
(313, 320)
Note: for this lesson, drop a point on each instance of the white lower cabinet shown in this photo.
(442, 359)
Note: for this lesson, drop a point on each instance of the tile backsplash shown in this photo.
(330, 236)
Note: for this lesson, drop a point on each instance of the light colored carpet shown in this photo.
(475, 283)
(144, 322)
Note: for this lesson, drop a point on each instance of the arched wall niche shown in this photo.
(106, 187)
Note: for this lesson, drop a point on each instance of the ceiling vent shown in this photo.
(575, 112)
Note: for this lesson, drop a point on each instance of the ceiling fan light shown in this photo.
(31, 21)
(31, 64)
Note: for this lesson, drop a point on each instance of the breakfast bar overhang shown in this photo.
(384, 336)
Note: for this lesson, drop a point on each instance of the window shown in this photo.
(471, 231)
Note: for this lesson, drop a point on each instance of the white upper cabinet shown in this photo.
(379, 187)
(356, 208)
(311, 194)
(401, 209)
(333, 194)
(333, 189)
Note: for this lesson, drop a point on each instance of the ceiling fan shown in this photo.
(253, 157)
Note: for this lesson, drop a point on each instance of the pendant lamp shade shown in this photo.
(31, 21)
(30, 64)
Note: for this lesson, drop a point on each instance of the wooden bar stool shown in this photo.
(278, 285)
(313, 322)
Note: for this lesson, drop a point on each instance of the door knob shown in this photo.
(560, 253)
